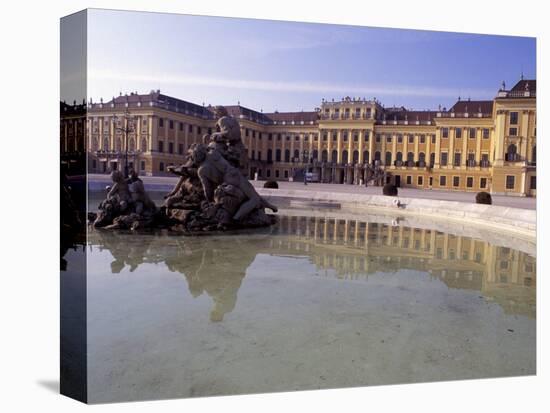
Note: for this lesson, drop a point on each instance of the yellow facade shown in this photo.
(474, 146)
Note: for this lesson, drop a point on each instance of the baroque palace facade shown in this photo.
(485, 145)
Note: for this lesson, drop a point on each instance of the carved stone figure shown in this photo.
(214, 170)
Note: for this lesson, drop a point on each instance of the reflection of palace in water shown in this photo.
(346, 249)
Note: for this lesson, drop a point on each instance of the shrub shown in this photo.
(484, 198)
(389, 190)
(271, 184)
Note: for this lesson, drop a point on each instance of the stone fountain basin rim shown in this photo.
(520, 222)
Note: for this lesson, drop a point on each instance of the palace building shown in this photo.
(487, 145)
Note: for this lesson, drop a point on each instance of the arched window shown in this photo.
(355, 157)
(377, 155)
(106, 144)
(287, 155)
(324, 156)
(344, 156)
(297, 154)
(131, 145)
(334, 156)
(278, 155)
(144, 145)
(512, 153)
(387, 161)
(410, 159)
(118, 145)
(269, 155)
(315, 154)
(365, 156)
(534, 154)
(399, 157)
(95, 145)
(432, 159)
(421, 159)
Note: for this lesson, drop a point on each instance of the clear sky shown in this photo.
(287, 66)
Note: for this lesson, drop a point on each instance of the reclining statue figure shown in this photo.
(214, 170)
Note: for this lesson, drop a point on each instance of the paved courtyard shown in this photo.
(161, 182)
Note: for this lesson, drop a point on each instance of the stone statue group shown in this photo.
(212, 193)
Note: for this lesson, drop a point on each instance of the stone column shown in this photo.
(371, 146)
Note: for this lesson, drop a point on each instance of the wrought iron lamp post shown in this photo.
(126, 128)
(305, 158)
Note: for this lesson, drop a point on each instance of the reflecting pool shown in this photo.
(314, 302)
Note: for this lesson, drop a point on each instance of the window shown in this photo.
(399, 138)
(422, 138)
(533, 183)
(161, 166)
(269, 155)
(296, 138)
(356, 138)
(472, 133)
(484, 160)
(470, 182)
(443, 180)
(288, 138)
(180, 148)
(286, 173)
(345, 137)
(388, 138)
(269, 138)
(485, 133)
(277, 155)
(457, 159)
(142, 165)
(325, 137)
(268, 173)
(512, 153)
(94, 164)
(170, 147)
(367, 133)
(181, 126)
(513, 132)
(199, 130)
(458, 133)
(287, 155)
(513, 118)
(388, 158)
(171, 124)
(445, 132)
(278, 136)
(246, 132)
(190, 128)
(432, 159)
(433, 139)
(483, 183)
(253, 133)
(377, 138)
(252, 155)
(456, 181)
(259, 155)
(409, 179)
(510, 181)
(444, 158)
(411, 138)
(161, 123)
(161, 146)
(276, 173)
(420, 180)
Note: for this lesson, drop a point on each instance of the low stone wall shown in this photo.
(521, 222)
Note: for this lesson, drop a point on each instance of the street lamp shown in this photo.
(305, 159)
(126, 128)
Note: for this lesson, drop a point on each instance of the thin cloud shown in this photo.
(322, 89)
